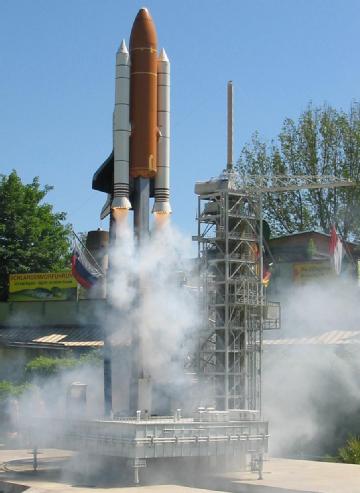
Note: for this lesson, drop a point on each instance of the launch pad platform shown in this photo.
(230, 438)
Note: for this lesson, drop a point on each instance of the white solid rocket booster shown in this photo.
(121, 129)
(162, 178)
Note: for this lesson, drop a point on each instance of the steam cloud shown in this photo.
(148, 294)
(312, 391)
(146, 291)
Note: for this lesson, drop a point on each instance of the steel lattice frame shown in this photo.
(229, 243)
(230, 247)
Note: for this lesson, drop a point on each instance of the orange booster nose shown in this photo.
(143, 97)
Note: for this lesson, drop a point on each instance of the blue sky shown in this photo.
(57, 84)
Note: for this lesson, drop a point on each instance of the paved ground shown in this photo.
(302, 476)
(280, 476)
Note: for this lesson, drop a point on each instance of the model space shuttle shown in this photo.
(139, 166)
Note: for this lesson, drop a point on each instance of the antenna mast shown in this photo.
(230, 126)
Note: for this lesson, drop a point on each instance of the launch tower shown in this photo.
(235, 309)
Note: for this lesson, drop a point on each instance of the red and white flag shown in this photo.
(336, 250)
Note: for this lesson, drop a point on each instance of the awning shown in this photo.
(53, 337)
(332, 337)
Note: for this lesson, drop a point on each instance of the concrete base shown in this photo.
(280, 476)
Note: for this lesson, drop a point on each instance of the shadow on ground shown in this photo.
(87, 471)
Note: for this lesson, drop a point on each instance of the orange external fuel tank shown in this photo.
(143, 97)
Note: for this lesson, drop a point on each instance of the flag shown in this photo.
(266, 278)
(83, 270)
(336, 250)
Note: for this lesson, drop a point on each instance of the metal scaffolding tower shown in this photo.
(235, 308)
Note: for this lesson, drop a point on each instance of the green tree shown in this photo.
(350, 453)
(10, 389)
(46, 366)
(323, 141)
(33, 238)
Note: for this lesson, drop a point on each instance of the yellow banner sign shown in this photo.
(311, 271)
(54, 286)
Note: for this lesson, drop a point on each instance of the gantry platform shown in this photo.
(236, 437)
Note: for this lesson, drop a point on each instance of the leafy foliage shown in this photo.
(45, 366)
(9, 389)
(324, 141)
(32, 237)
(93, 358)
(350, 453)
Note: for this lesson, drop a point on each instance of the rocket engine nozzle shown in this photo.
(121, 203)
(162, 208)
